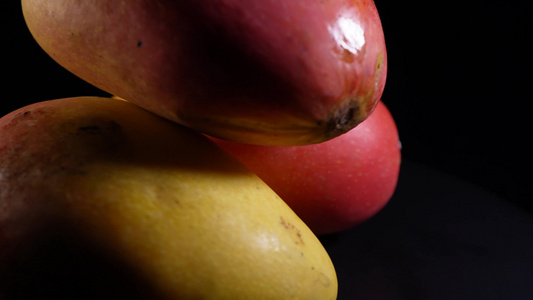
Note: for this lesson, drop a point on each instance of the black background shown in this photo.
(459, 74)
(458, 81)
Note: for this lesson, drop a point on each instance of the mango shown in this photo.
(256, 71)
(102, 199)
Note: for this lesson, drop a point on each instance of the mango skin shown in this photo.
(257, 71)
(101, 190)
(335, 185)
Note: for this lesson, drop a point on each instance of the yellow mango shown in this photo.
(100, 197)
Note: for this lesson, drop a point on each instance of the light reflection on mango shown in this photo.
(270, 242)
(348, 34)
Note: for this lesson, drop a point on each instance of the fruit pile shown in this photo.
(174, 186)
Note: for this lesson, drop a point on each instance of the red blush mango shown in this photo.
(336, 184)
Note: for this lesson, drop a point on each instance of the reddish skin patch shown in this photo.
(337, 184)
(254, 71)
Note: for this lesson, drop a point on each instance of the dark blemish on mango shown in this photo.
(105, 133)
(111, 126)
(379, 62)
(139, 44)
(99, 135)
(90, 129)
(291, 228)
(344, 118)
(23, 116)
(323, 279)
(347, 56)
(74, 170)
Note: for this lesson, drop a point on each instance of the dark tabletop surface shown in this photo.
(438, 238)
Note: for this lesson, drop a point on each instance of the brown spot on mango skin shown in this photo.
(28, 115)
(292, 229)
(99, 127)
(323, 279)
(99, 135)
